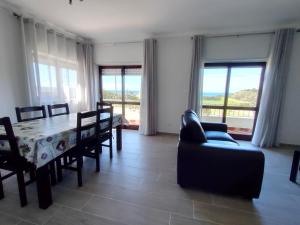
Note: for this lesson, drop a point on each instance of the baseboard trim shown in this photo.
(289, 145)
(166, 133)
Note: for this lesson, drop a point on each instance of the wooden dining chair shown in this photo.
(106, 105)
(89, 140)
(10, 160)
(86, 143)
(101, 105)
(106, 125)
(53, 108)
(30, 109)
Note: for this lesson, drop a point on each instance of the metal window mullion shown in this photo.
(123, 90)
(100, 84)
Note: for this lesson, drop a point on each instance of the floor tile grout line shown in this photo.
(135, 205)
(21, 219)
(197, 219)
(226, 207)
(96, 215)
(144, 192)
(158, 177)
(193, 209)
(87, 202)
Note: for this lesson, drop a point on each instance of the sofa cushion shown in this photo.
(192, 129)
(218, 135)
(221, 142)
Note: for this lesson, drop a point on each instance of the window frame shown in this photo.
(123, 102)
(225, 107)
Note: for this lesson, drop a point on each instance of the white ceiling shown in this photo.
(131, 20)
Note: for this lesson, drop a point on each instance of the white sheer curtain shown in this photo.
(54, 67)
(148, 112)
(266, 129)
(196, 78)
(88, 78)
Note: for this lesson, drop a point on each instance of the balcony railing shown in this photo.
(238, 121)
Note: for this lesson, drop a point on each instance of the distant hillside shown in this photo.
(247, 96)
(244, 98)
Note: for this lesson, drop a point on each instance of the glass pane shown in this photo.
(133, 81)
(244, 85)
(212, 115)
(69, 83)
(214, 83)
(117, 108)
(132, 114)
(240, 121)
(47, 76)
(112, 84)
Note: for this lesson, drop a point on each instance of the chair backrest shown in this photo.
(9, 136)
(105, 120)
(20, 110)
(102, 105)
(53, 108)
(101, 121)
(83, 129)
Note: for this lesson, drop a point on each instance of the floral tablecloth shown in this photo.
(42, 140)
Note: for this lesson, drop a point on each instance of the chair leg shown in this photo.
(65, 160)
(59, 170)
(22, 190)
(52, 173)
(97, 158)
(295, 166)
(1, 188)
(110, 148)
(79, 170)
(32, 173)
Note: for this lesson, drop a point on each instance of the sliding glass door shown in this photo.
(121, 86)
(231, 94)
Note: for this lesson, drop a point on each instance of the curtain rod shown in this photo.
(120, 43)
(67, 34)
(209, 36)
(242, 34)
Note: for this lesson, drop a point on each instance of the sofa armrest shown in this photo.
(232, 169)
(219, 150)
(214, 126)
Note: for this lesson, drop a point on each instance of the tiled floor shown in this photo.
(138, 186)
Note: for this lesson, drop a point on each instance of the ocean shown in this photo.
(213, 94)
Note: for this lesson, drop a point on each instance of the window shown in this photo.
(56, 80)
(231, 94)
(121, 86)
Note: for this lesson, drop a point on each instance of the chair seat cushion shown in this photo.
(219, 135)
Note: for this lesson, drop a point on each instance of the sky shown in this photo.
(132, 83)
(214, 79)
(241, 78)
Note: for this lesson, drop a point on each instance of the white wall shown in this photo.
(289, 132)
(174, 62)
(119, 54)
(238, 48)
(174, 58)
(12, 77)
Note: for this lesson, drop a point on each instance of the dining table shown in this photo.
(42, 141)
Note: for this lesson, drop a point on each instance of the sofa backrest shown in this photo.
(191, 129)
